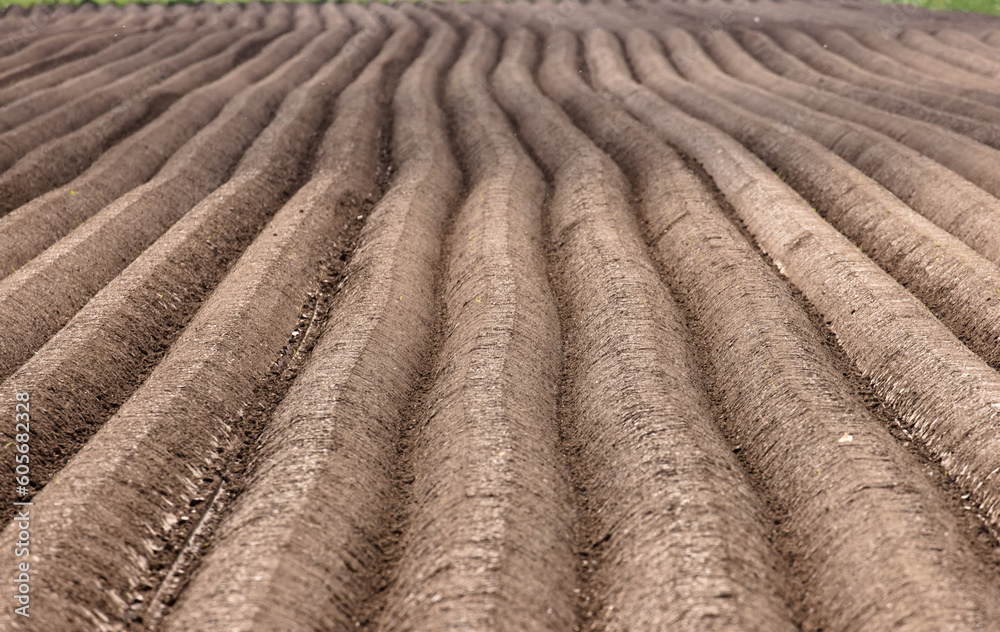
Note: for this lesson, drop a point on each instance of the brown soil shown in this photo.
(648, 315)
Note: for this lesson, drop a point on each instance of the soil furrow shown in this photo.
(970, 118)
(965, 41)
(53, 162)
(34, 226)
(953, 57)
(659, 482)
(27, 132)
(112, 344)
(885, 146)
(887, 19)
(107, 242)
(18, 28)
(803, 49)
(95, 39)
(947, 396)
(135, 159)
(534, 315)
(172, 434)
(958, 284)
(104, 16)
(938, 193)
(22, 103)
(946, 71)
(89, 45)
(39, 46)
(490, 517)
(789, 409)
(992, 38)
(325, 456)
(881, 64)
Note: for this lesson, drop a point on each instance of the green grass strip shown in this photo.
(991, 7)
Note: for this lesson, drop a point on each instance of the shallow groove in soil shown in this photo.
(615, 315)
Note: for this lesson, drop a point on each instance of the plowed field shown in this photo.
(673, 315)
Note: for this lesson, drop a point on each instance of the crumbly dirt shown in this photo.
(503, 316)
